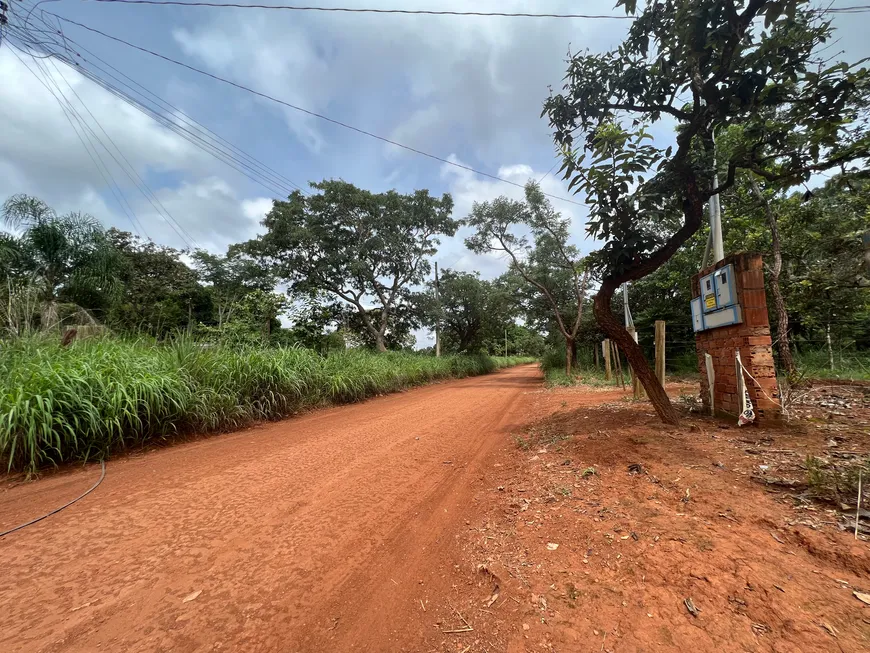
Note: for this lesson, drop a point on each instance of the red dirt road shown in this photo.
(328, 532)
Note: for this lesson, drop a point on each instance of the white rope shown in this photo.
(775, 401)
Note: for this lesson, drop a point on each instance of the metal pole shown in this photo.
(438, 315)
(629, 322)
(715, 209)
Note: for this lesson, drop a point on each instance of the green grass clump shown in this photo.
(850, 365)
(73, 403)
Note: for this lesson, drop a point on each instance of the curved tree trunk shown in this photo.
(639, 365)
(379, 342)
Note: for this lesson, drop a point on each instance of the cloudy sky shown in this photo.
(463, 88)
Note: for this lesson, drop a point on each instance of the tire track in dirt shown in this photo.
(308, 534)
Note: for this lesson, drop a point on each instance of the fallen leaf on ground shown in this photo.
(492, 599)
(864, 598)
(552, 546)
(690, 606)
(191, 596)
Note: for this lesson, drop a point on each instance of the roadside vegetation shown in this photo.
(83, 401)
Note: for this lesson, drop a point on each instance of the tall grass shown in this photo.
(59, 404)
(848, 364)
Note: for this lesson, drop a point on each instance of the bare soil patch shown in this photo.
(607, 531)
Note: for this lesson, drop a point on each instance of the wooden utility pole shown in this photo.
(597, 360)
(636, 387)
(438, 314)
(660, 351)
(605, 352)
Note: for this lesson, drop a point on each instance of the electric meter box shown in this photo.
(717, 306)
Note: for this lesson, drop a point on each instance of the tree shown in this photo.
(251, 320)
(783, 346)
(822, 254)
(230, 278)
(364, 248)
(542, 266)
(469, 310)
(67, 257)
(798, 115)
(160, 293)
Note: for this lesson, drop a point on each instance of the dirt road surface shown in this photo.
(329, 532)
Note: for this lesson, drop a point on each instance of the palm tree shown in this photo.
(65, 257)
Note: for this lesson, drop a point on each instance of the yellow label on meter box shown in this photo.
(710, 301)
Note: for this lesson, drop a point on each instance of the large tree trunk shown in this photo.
(379, 342)
(639, 365)
(783, 345)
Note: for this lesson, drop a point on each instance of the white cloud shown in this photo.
(222, 217)
(436, 82)
(40, 140)
(41, 154)
(256, 209)
(473, 86)
(467, 188)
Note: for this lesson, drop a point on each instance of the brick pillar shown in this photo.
(751, 337)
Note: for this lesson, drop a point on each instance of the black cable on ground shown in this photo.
(66, 505)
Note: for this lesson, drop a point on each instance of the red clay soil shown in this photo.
(320, 533)
(421, 522)
(606, 529)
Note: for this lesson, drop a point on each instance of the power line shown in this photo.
(361, 10)
(423, 12)
(249, 170)
(94, 156)
(303, 110)
(268, 173)
(27, 37)
(140, 185)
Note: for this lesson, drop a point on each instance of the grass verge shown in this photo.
(61, 404)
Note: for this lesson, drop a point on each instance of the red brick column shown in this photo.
(751, 338)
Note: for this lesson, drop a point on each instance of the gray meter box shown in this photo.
(717, 306)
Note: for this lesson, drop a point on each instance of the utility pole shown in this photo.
(437, 315)
(505, 343)
(715, 209)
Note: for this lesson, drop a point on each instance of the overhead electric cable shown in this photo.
(421, 12)
(154, 106)
(141, 185)
(301, 109)
(91, 151)
(366, 10)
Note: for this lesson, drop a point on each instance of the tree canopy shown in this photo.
(367, 249)
(701, 66)
(548, 263)
(472, 313)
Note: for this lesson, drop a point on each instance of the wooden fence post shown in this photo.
(618, 359)
(660, 351)
(597, 360)
(636, 387)
(605, 351)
